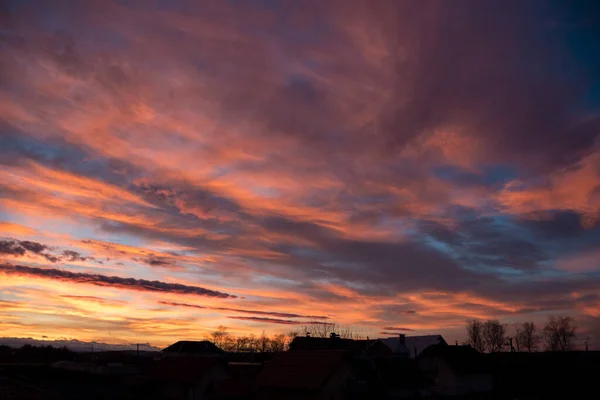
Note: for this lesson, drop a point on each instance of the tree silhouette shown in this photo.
(264, 343)
(219, 336)
(278, 343)
(559, 333)
(248, 344)
(325, 329)
(493, 335)
(527, 338)
(475, 335)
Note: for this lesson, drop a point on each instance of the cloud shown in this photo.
(11, 247)
(34, 247)
(71, 255)
(392, 328)
(335, 157)
(272, 313)
(275, 320)
(153, 262)
(20, 247)
(111, 281)
(12, 228)
(94, 299)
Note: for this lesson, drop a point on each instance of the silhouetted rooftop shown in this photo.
(463, 359)
(193, 347)
(411, 343)
(307, 343)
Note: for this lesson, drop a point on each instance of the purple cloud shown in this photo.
(272, 313)
(111, 281)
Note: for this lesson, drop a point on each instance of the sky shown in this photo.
(168, 167)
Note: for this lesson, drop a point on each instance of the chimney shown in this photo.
(402, 338)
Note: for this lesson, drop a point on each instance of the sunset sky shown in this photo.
(167, 167)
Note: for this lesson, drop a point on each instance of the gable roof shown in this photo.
(462, 359)
(193, 347)
(374, 348)
(412, 343)
(301, 370)
(420, 343)
(307, 343)
(183, 369)
(394, 344)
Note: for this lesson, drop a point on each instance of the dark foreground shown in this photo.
(455, 372)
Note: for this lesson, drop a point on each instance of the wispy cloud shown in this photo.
(272, 313)
(93, 299)
(110, 281)
(397, 328)
(275, 320)
(20, 247)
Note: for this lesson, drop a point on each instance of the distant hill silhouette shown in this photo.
(75, 345)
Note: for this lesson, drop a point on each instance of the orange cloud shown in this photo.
(12, 229)
(571, 189)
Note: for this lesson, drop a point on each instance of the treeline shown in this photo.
(29, 353)
(557, 335)
(276, 343)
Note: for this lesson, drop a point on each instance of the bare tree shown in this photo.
(241, 344)
(475, 335)
(527, 338)
(320, 330)
(518, 333)
(222, 339)
(493, 335)
(229, 344)
(218, 337)
(278, 343)
(325, 329)
(347, 332)
(559, 333)
(264, 343)
(253, 343)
